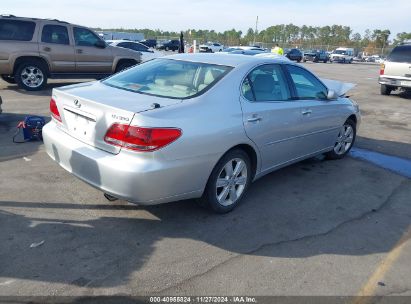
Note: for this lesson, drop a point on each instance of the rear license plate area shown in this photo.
(79, 125)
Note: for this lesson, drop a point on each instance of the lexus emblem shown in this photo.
(77, 103)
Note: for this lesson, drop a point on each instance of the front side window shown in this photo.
(55, 34)
(85, 37)
(306, 84)
(266, 83)
(169, 78)
(16, 30)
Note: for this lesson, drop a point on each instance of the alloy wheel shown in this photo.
(345, 139)
(32, 77)
(231, 181)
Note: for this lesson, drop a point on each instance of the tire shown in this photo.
(298, 60)
(123, 65)
(166, 48)
(31, 75)
(344, 142)
(8, 79)
(231, 183)
(385, 90)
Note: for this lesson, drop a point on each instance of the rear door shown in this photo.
(89, 57)
(320, 117)
(271, 118)
(56, 45)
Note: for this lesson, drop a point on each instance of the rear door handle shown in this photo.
(46, 49)
(254, 119)
(79, 51)
(306, 112)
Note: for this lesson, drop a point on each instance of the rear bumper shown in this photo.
(395, 82)
(141, 178)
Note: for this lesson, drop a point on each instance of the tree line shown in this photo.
(286, 34)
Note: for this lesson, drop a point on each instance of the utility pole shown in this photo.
(256, 30)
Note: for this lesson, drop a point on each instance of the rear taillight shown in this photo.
(54, 111)
(140, 139)
(382, 68)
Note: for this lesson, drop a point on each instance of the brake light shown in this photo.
(382, 68)
(140, 139)
(54, 110)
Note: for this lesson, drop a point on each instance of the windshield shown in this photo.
(341, 52)
(169, 78)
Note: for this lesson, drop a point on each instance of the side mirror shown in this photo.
(100, 44)
(331, 95)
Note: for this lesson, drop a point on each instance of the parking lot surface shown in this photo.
(315, 228)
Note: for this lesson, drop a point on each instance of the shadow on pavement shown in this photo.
(293, 206)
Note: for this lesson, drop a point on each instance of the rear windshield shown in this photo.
(400, 53)
(16, 30)
(169, 78)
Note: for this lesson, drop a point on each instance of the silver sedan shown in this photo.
(197, 126)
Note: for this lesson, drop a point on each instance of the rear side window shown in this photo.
(306, 84)
(16, 30)
(400, 53)
(266, 83)
(55, 34)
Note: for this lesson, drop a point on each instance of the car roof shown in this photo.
(233, 60)
(12, 17)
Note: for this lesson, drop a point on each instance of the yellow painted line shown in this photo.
(368, 290)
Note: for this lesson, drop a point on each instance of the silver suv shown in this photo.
(33, 50)
(395, 72)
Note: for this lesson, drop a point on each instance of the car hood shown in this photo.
(340, 88)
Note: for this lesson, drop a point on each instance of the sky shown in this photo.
(219, 15)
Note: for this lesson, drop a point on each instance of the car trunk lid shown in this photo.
(88, 110)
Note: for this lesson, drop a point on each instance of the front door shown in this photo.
(321, 118)
(89, 57)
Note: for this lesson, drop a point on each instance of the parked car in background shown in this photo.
(315, 56)
(146, 53)
(395, 72)
(246, 48)
(151, 43)
(169, 45)
(293, 54)
(248, 52)
(118, 142)
(342, 55)
(211, 47)
(33, 50)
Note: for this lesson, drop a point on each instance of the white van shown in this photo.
(343, 55)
